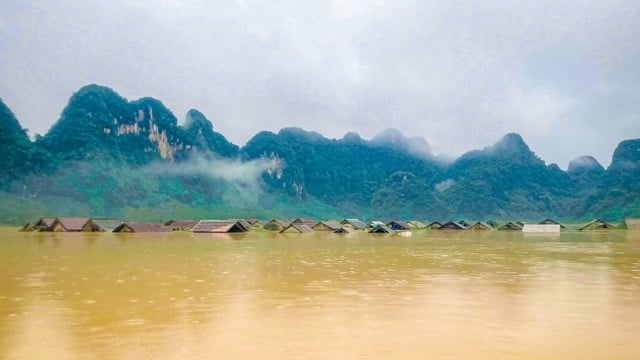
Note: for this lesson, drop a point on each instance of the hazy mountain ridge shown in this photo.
(107, 156)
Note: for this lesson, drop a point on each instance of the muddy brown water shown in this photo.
(439, 295)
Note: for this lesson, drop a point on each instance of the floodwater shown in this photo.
(438, 295)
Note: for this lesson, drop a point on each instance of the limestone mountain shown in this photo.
(505, 180)
(19, 154)
(99, 122)
(617, 194)
(108, 156)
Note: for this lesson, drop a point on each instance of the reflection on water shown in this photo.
(435, 294)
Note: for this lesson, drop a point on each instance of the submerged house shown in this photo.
(27, 227)
(305, 221)
(68, 224)
(255, 223)
(276, 224)
(353, 223)
(101, 225)
(632, 224)
(328, 225)
(344, 230)
(551, 222)
(596, 224)
(220, 226)
(512, 226)
(181, 225)
(415, 224)
(375, 223)
(140, 228)
(296, 228)
(452, 225)
(434, 225)
(482, 226)
(398, 225)
(43, 224)
(381, 229)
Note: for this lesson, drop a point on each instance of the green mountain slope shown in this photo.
(107, 156)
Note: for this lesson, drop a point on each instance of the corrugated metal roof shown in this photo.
(327, 225)
(354, 223)
(70, 224)
(182, 224)
(306, 221)
(101, 224)
(295, 227)
(219, 226)
(141, 227)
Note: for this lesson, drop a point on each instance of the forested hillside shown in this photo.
(108, 156)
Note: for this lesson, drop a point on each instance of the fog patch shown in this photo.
(444, 185)
(395, 139)
(244, 178)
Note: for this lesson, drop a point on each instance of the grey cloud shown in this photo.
(459, 74)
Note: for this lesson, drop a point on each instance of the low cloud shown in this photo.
(243, 177)
(444, 185)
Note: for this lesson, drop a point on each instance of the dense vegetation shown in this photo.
(107, 156)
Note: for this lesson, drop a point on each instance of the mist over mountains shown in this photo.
(108, 156)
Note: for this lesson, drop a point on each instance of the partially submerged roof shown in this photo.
(276, 224)
(181, 225)
(416, 224)
(327, 225)
(550, 221)
(541, 228)
(297, 228)
(306, 221)
(381, 229)
(596, 224)
(481, 226)
(141, 227)
(355, 223)
(398, 225)
(632, 224)
(101, 224)
(512, 226)
(43, 224)
(344, 230)
(219, 226)
(452, 225)
(68, 224)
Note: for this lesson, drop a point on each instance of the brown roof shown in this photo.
(44, 223)
(101, 224)
(141, 227)
(276, 224)
(328, 225)
(70, 224)
(181, 224)
(295, 227)
(219, 226)
(306, 221)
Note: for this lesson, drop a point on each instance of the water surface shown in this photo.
(454, 295)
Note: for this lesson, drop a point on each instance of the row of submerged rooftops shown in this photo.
(298, 225)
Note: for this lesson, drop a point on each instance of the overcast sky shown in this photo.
(563, 74)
